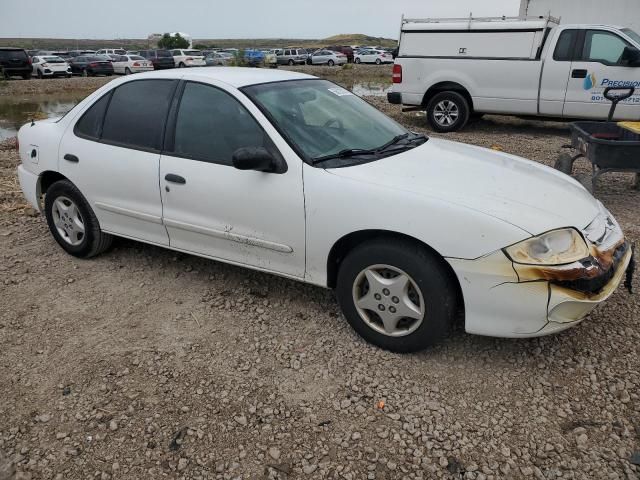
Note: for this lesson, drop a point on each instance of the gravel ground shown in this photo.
(145, 363)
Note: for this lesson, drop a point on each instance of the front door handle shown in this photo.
(71, 158)
(173, 178)
(579, 73)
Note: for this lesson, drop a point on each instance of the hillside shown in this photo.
(134, 44)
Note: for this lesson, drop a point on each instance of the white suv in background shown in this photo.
(188, 58)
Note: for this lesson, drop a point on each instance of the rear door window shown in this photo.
(137, 114)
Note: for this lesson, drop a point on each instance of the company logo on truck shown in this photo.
(589, 81)
(620, 83)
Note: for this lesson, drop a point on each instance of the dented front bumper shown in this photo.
(506, 299)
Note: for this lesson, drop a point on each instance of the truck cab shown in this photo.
(456, 69)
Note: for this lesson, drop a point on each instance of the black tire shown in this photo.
(85, 73)
(127, 71)
(331, 63)
(357, 60)
(291, 63)
(94, 240)
(586, 181)
(461, 105)
(564, 163)
(378, 61)
(428, 272)
(39, 74)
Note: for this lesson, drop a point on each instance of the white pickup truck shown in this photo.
(458, 69)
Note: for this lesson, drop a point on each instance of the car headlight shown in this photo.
(556, 247)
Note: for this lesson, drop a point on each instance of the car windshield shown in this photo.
(329, 124)
(192, 52)
(632, 34)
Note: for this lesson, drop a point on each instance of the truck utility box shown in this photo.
(534, 66)
(482, 38)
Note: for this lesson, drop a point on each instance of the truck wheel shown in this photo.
(396, 295)
(564, 163)
(447, 112)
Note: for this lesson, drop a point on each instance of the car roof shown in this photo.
(235, 76)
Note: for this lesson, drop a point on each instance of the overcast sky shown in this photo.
(227, 18)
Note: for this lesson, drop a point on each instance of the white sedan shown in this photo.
(128, 64)
(292, 175)
(373, 56)
(47, 66)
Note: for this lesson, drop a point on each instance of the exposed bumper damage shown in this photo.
(507, 299)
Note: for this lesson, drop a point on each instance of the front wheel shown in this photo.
(396, 295)
(447, 112)
(72, 221)
(291, 63)
(357, 60)
(182, 65)
(331, 63)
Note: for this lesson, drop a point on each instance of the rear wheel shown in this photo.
(447, 112)
(357, 60)
(331, 63)
(396, 295)
(127, 71)
(39, 74)
(378, 61)
(291, 63)
(72, 221)
(181, 65)
(85, 73)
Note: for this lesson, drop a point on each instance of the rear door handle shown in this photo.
(579, 73)
(173, 178)
(71, 158)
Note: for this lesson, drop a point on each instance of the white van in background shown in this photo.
(458, 68)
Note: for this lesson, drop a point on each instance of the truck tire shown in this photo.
(447, 111)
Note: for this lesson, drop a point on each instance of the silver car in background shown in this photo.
(219, 59)
(328, 57)
(292, 56)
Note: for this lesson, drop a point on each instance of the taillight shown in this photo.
(397, 73)
(93, 64)
(136, 64)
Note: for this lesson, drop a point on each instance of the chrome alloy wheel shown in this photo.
(68, 221)
(388, 300)
(446, 113)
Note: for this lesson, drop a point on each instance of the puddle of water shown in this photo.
(16, 112)
(370, 89)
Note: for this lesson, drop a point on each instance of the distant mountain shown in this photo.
(359, 39)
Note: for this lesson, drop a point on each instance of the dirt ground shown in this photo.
(144, 363)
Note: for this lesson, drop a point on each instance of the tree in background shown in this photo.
(201, 46)
(171, 42)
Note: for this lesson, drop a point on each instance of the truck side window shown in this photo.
(602, 46)
(565, 46)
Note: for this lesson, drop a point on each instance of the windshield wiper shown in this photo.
(352, 152)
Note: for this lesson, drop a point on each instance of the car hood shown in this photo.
(529, 195)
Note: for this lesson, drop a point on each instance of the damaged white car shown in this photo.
(289, 174)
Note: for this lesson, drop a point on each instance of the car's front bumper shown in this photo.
(503, 299)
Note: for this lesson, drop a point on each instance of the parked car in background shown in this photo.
(77, 53)
(161, 59)
(253, 58)
(15, 62)
(328, 57)
(219, 59)
(188, 58)
(344, 49)
(111, 51)
(90, 66)
(50, 66)
(373, 56)
(291, 56)
(270, 59)
(128, 64)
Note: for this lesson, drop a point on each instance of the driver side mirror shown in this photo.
(631, 57)
(254, 158)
